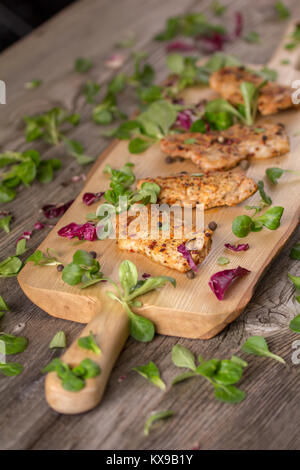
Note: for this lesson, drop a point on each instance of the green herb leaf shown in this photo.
(175, 63)
(139, 145)
(182, 377)
(59, 340)
(3, 305)
(295, 251)
(222, 260)
(217, 8)
(250, 95)
(228, 373)
(157, 120)
(87, 369)
(71, 382)
(89, 342)
(76, 150)
(219, 120)
(208, 368)
(5, 223)
(257, 345)
(252, 37)
(282, 10)
(21, 247)
(128, 41)
(82, 65)
(90, 90)
(141, 328)
(10, 368)
(295, 324)
(198, 126)
(274, 174)
(150, 284)
(151, 373)
(229, 394)
(183, 357)
(10, 266)
(265, 198)
(128, 276)
(242, 225)
(10, 344)
(155, 417)
(267, 74)
(84, 268)
(295, 280)
(271, 218)
(6, 194)
(33, 84)
(41, 259)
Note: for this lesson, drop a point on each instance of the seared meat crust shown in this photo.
(220, 188)
(222, 150)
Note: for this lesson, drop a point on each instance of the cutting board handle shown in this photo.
(110, 328)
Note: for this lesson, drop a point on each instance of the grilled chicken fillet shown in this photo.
(221, 150)
(162, 247)
(273, 97)
(220, 188)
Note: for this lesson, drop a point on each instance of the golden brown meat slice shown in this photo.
(219, 188)
(273, 97)
(221, 150)
(161, 246)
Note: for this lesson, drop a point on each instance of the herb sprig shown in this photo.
(258, 346)
(242, 225)
(141, 328)
(244, 112)
(24, 168)
(274, 174)
(73, 379)
(222, 374)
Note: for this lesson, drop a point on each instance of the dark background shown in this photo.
(19, 17)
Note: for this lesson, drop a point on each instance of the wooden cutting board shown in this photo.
(191, 310)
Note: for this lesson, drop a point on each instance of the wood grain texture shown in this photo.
(26, 421)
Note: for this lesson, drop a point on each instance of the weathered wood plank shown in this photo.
(91, 28)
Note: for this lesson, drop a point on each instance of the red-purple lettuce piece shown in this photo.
(220, 281)
(239, 24)
(146, 275)
(85, 231)
(52, 211)
(187, 255)
(185, 119)
(240, 247)
(180, 46)
(39, 226)
(115, 61)
(26, 235)
(90, 198)
(213, 43)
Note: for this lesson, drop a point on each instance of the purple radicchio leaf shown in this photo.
(236, 248)
(85, 231)
(26, 235)
(115, 61)
(213, 43)
(180, 46)
(239, 24)
(90, 198)
(51, 211)
(184, 119)
(146, 275)
(182, 249)
(220, 281)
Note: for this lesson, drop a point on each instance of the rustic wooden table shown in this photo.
(269, 418)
